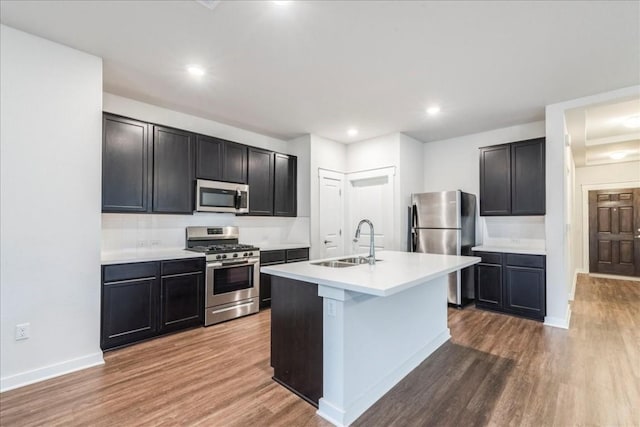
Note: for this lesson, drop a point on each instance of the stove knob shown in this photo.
(245, 254)
(250, 253)
(218, 256)
(224, 256)
(235, 255)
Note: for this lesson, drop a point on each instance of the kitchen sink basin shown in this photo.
(343, 262)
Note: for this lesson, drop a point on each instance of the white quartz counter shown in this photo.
(123, 257)
(281, 246)
(511, 249)
(397, 271)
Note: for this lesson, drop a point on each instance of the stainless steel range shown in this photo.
(232, 279)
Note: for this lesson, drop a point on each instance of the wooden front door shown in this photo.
(614, 231)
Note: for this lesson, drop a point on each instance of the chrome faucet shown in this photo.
(372, 248)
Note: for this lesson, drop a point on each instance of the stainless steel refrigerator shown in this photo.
(445, 223)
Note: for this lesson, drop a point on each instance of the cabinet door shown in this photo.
(489, 285)
(527, 177)
(234, 165)
(495, 181)
(209, 155)
(125, 165)
(524, 291)
(172, 171)
(260, 176)
(129, 311)
(285, 188)
(181, 303)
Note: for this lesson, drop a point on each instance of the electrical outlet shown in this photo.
(155, 243)
(23, 331)
(331, 308)
(141, 244)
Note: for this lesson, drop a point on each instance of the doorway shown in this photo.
(331, 197)
(614, 231)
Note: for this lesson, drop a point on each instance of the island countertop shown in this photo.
(396, 271)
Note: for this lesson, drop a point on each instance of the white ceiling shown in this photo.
(598, 131)
(323, 67)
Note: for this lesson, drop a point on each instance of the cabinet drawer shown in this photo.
(272, 257)
(518, 260)
(294, 255)
(489, 257)
(136, 270)
(182, 266)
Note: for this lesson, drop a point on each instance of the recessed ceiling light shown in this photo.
(281, 3)
(632, 122)
(195, 70)
(618, 155)
(432, 111)
(352, 132)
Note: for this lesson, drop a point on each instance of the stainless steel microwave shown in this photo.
(216, 196)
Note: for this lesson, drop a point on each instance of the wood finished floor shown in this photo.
(496, 370)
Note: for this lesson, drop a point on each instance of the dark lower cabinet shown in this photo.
(143, 300)
(511, 283)
(173, 171)
(296, 337)
(181, 301)
(273, 258)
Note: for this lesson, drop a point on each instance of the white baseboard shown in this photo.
(51, 371)
(340, 417)
(558, 322)
(572, 293)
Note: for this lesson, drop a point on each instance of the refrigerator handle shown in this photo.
(411, 241)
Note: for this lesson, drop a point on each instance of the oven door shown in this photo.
(214, 196)
(232, 281)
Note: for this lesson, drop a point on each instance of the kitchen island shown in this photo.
(342, 337)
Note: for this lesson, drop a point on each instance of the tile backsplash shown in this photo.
(149, 231)
(528, 231)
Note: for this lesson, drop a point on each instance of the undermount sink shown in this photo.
(343, 262)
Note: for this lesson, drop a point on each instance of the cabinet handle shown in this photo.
(138, 279)
(182, 274)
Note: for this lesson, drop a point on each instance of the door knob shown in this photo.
(327, 241)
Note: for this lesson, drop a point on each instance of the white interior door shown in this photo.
(371, 196)
(331, 214)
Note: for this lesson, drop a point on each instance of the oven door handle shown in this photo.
(231, 264)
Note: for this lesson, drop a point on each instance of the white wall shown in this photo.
(453, 164)
(129, 231)
(324, 154)
(50, 140)
(557, 231)
(626, 175)
(411, 180)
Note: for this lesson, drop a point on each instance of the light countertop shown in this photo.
(511, 249)
(395, 272)
(123, 257)
(281, 246)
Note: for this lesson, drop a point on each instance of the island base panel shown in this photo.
(296, 337)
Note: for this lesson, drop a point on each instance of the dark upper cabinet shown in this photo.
(209, 157)
(173, 170)
(285, 185)
(234, 165)
(495, 180)
(260, 180)
(527, 177)
(512, 178)
(220, 160)
(126, 165)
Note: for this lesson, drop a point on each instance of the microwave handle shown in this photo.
(238, 199)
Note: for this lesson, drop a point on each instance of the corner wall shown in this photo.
(50, 143)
